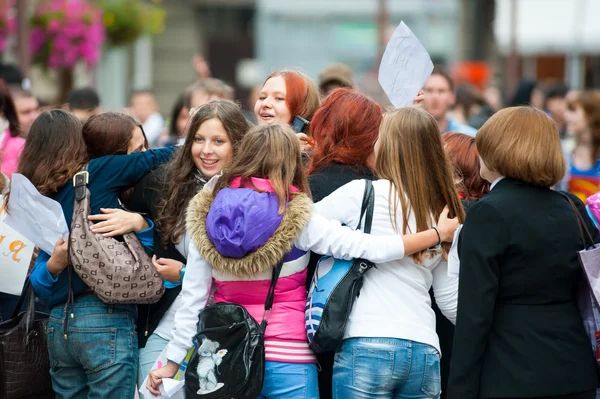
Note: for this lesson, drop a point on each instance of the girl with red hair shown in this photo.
(344, 130)
(463, 154)
(284, 95)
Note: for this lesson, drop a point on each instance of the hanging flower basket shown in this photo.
(123, 20)
(8, 21)
(126, 20)
(65, 32)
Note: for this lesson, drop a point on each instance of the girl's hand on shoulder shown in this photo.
(114, 222)
(447, 226)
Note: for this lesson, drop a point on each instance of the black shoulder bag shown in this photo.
(24, 359)
(229, 360)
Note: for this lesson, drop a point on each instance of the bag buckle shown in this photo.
(81, 178)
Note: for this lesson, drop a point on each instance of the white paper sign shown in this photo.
(15, 255)
(35, 216)
(405, 67)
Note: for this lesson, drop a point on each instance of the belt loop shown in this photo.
(110, 308)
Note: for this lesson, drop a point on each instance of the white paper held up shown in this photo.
(35, 216)
(404, 68)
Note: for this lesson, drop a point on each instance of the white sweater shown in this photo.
(394, 301)
(319, 235)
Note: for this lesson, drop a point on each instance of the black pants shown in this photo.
(581, 395)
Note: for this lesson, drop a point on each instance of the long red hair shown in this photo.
(464, 156)
(302, 95)
(344, 129)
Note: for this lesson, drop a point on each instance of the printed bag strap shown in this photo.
(580, 223)
(366, 209)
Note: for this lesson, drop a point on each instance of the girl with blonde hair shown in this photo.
(390, 347)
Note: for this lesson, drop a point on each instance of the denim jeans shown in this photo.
(148, 356)
(386, 368)
(290, 381)
(99, 357)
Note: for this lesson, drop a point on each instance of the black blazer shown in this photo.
(518, 331)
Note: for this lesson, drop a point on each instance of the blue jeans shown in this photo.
(290, 381)
(99, 358)
(148, 355)
(386, 368)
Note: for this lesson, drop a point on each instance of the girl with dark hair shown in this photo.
(180, 114)
(95, 354)
(583, 161)
(12, 143)
(113, 133)
(214, 134)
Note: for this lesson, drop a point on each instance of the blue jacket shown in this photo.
(108, 176)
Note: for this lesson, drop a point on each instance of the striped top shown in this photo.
(288, 351)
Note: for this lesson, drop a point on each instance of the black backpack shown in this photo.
(229, 359)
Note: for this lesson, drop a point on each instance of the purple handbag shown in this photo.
(589, 288)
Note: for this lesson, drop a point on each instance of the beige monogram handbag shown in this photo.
(118, 272)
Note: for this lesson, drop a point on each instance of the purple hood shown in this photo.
(241, 220)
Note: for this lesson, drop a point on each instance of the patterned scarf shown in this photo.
(200, 178)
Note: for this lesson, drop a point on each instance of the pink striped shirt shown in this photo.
(285, 338)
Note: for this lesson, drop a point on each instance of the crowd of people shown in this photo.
(220, 193)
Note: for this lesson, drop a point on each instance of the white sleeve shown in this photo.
(195, 291)
(344, 204)
(331, 238)
(445, 290)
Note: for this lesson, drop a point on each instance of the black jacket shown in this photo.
(146, 198)
(518, 331)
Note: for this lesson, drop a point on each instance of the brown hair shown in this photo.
(271, 152)
(179, 177)
(210, 86)
(522, 143)
(109, 133)
(54, 151)
(462, 152)
(589, 101)
(411, 156)
(8, 110)
(302, 95)
(437, 70)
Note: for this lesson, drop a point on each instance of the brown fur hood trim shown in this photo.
(294, 219)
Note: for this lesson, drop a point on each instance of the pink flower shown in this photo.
(77, 36)
(54, 26)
